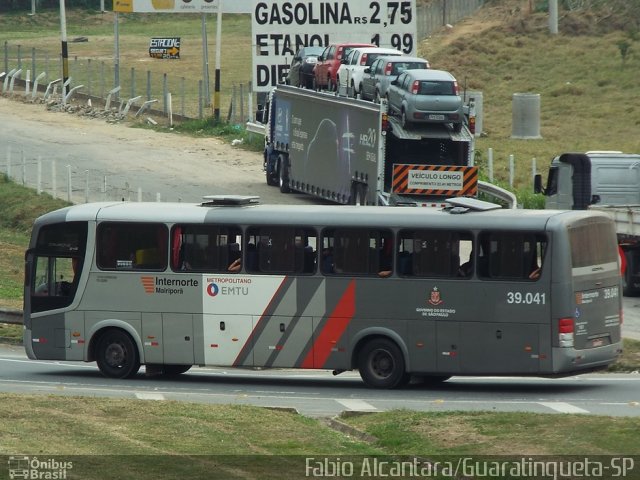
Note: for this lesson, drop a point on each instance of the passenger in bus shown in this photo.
(327, 260)
(535, 274)
(235, 266)
(386, 253)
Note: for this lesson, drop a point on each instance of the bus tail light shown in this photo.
(566, 327)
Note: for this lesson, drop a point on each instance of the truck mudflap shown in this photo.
(435, 180)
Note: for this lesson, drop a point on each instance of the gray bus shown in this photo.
(393, 292)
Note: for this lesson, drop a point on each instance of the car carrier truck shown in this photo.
(350, 151)
(608, 181)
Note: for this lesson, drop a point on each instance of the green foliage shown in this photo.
(624, 46)
(234, 134)
(20, 206)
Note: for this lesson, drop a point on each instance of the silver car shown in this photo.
(383, 71)
(426, 96)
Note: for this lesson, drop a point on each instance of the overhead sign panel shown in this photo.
(281, 27)
(166, 6)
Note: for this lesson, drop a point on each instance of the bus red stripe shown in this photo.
(333, 329)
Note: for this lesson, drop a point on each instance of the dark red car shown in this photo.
(324, 73)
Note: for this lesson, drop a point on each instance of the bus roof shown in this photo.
(311, 215)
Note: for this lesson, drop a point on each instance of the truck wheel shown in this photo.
(381, 364)
(270, 176)
(117, 355)
(361, 198)
(283, 174)
(628, 288)
(272, 182)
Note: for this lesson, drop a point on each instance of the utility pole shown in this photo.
(65, 51)
(553, 17)
(216, 86)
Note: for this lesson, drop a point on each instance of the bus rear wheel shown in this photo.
(117, 355)
(381, 364)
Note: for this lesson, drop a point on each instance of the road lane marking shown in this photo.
(563, 407)
(149, 396)
(356, 405)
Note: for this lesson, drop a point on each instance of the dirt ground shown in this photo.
(176, 166)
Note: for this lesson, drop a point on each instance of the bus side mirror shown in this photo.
(537, 184)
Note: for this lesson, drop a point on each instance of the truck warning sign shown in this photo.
(165, 48)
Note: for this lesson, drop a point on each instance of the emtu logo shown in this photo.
(148, 283)
(212, 289)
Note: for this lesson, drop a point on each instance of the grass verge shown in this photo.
(147, 435)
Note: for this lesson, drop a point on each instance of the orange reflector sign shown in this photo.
(435, 180)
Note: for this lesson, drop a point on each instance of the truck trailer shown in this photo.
(350, 151)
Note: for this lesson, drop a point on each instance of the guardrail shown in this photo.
(8, 315)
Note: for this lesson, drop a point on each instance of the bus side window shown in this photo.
(357, 251)
(281, 250)
(205, 248)
(131, 246)
(512, 256)
(433, 253)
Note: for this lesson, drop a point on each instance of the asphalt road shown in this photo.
(319, 393)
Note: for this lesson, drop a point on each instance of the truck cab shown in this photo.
(577, 180)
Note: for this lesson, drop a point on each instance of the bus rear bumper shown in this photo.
(570, 360)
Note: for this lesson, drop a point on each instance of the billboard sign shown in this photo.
(166, 47)
(281, 27)
(166, 6)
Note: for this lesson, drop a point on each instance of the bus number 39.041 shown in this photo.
(528, 298)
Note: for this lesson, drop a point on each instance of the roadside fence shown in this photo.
(38, 72)
(58, 178)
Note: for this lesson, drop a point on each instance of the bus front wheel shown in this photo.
(381, 364)
(117, 355)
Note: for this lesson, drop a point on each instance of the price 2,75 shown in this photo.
(405, 14)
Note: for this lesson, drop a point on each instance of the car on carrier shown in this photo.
(351, 71)
(426, 96)
(301, 68)
(377, 78)
(324, 73)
